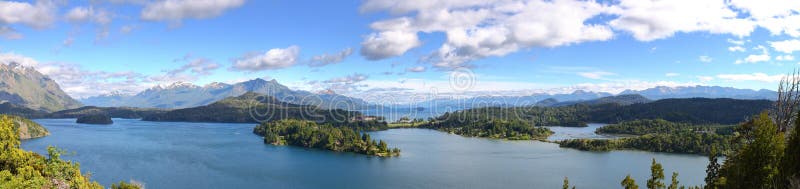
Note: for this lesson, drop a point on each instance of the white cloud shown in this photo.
(416, 69)
(649, 20)
(196, 65)
(736, 42)
(39, 15)
(784, 58)
(8, 57)
(736, 49)
(595, 74)
(756, 58)
(276, 58)
(325, 59)
(671, 74)
(176, 10)
(705, 58)
(478, 29)
(762, 77)
(387, 44)
(100, 17)
(787, 46)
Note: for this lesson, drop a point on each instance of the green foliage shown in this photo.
(712, 170)
(500, 129)
(25, 169)
(309, 134)
(656, 180)
(642, 127)
(757, 163)
(125, 185)
(629, 183)
(674, 184)
(681, 142)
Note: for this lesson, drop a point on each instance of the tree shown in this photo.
(791, 160)
(712, 171)
(566, 183)
(629, 183)
(757, 163)
(785, 108)
(656, 176)
(674, 184)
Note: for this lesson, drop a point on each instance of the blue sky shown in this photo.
(504, 47)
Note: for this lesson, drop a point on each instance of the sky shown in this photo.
(358, 47)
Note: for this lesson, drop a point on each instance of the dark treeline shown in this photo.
(309, 134)
(691, 110)
(500, 129)
(253, 108)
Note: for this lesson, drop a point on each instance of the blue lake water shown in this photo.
(213, 155)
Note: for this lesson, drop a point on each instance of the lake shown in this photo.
(214, 155)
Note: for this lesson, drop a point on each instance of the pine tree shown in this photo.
(757, 163)
(712, 171)
(566, 183)
(629, 183)
(656, 176)
(674, 184)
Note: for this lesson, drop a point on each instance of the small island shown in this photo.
(326, 136)
(97, 119)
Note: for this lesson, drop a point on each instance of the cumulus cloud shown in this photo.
(387, 44)
(762, 77)
(595, 74)
(325, 59)
(176, 10)
(276, 58)
(671, 74)
(344, 84)
(39, 15)
(8, 57)
(651, 19)
(787, 46)
(478, 29)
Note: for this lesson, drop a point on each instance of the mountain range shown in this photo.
(186, 95)
(655, 93)
(24, 86)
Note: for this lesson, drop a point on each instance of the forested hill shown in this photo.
(252, 108)
(689, 110)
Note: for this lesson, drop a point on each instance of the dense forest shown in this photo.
(659, 136)
(500, 129)
(691, 110)
(253, 108)
(26, 169)
(309, 134)
(115, 112)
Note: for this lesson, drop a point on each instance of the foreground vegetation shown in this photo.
(326, 136)
(25, 169)
(27, 129)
